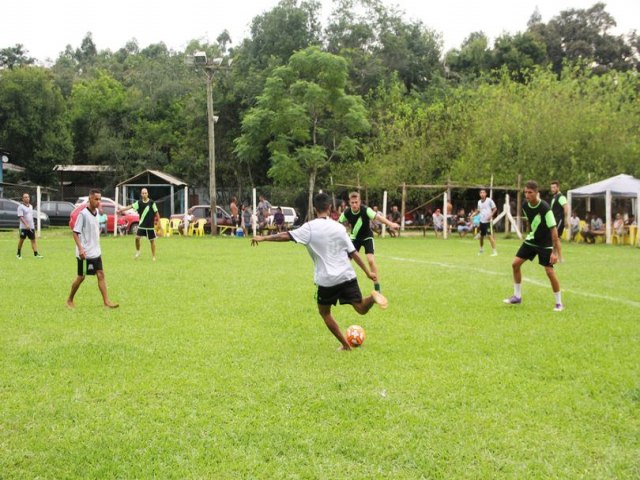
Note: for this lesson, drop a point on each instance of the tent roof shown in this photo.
(146, 178)
(620, 186)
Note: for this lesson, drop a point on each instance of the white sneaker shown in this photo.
(380, 299)
(480, 252)
(494, 254)
(19, 257)
(558, 308)
(137, 255)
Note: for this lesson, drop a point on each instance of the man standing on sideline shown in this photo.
(487, 209)
(560, 209)
(330, 249)
(148, 211)
(542, 241)
(86, 234)
(27, 227)
(359, 218)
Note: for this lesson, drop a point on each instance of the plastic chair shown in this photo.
(164, 226)
(198, 228)
(174, 226)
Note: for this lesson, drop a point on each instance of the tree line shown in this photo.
(370, 96)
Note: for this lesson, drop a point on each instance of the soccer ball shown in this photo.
(355, 335)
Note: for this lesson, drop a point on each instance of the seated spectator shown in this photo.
(187, 219)
(395, 217)
(103, 222)
(376, 225)
(597, 227)
(438, 221)
(261, 220)
(586, 230)
(463, 225)
(278, 220)
(619, 228)
(574, 226)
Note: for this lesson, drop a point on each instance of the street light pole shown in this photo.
(212, 152)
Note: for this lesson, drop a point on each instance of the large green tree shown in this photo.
(33, 122)
(305, 120)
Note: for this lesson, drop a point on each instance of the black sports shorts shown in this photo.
(367, 243)
(30, 234)
(347, 292)
(150, 233)
(529, 252)
(89, 266)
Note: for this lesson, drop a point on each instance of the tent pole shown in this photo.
(608, 219)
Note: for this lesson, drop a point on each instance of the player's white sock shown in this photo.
(558, 296)
(517, 290)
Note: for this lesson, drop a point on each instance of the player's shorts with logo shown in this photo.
(30, 234)
(89, 266)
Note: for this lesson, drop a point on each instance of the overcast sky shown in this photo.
(46, 27)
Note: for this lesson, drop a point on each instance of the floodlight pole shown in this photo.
(209, 69)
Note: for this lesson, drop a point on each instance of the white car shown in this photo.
(290, 215)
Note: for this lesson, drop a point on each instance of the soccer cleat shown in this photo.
(513, 300)
(137, 256)
(38, 256)
(480, 252)
(19, 257)
(558, 308)
(494, 254)
(380, 299)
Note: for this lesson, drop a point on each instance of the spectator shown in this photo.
(586, 233)
(264, 207)
(574, 225)
(187, 219)
(102, 218)
(278, 220)
(438, 221)
(246, 219)
(619, 228)
(395, 217)
(597, 227)
(233, 210)
(463, 225)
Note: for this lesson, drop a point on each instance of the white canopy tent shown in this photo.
(624, 186)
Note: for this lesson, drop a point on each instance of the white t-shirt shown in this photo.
(329, 246)
(486, 210)
(88, 227)
(26, 212)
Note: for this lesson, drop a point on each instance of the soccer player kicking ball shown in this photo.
(330, 249)
(542, 241)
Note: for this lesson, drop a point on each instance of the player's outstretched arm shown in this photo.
(387, 222)
(278, 237)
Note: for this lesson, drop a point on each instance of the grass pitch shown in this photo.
(217, 365)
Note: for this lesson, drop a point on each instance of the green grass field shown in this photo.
(217, 365)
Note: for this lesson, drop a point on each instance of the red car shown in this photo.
(127, 221)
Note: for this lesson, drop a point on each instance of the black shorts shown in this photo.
(486, 228)
(347, 292)
(30, 234)
(529, 252)
(150, 233)
(89, 266)
(367, 243)
(560, 227)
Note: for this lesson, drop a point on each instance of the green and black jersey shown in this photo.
(360, 222)
(541, 220)
(557, 206)
(147, 212)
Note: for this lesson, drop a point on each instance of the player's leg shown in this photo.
(138, 233)
(516, 265)
(34, 247)
(74, 289)
(20, 242)
(555, 287)
(102, 286)
(153, 249)
(332, 325)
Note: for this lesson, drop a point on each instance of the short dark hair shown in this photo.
(531, 185)
(354, 195)
(321, 202)
(93, 191)
(555, 182)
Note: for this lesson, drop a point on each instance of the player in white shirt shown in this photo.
(487, 209)
(27, 227)
(330, 249)
(86, 234)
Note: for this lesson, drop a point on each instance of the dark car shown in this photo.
(59, 212)
(9, 215)
(204, 211)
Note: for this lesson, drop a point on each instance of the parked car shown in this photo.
(290, 216)
(9, 215)
(204, 211)
(127, 221)
(59, 212)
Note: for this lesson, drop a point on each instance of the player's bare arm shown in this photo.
(278, 237)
